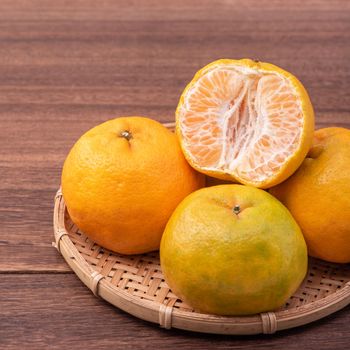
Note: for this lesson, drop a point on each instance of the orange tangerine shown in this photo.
(245, 121)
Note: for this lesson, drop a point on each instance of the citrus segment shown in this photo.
(245, 120)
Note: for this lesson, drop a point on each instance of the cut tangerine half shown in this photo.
(245, 121)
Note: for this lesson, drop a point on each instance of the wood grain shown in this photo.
(66, 66)
(58, 312)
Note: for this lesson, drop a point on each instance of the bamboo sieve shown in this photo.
(136, 285)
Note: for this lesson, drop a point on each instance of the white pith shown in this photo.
(258, 129)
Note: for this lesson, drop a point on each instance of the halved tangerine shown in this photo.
(246, 121)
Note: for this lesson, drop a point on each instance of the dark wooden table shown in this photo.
(66, 66)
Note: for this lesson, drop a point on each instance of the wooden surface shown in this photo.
(66, 66)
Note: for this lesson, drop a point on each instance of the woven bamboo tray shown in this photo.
(136, 285)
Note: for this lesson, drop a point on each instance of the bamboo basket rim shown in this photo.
(167, 316)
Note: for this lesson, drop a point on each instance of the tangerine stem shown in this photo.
(126, 134)
(236, 209)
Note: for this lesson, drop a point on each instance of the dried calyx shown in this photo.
(236, 209)
(126, 135)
